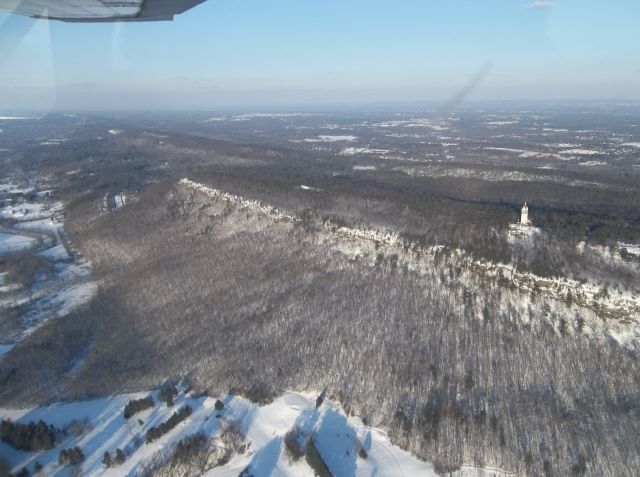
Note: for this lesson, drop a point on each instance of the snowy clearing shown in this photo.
(40, 225)
(501, 123)
(364, 168)
(326, 138)
(593, 163)
(15, 189)
(11, 243)
(306, 187)
(352, 151)
(56, 253)
(580, 152)
(5, 348)
(633, 249)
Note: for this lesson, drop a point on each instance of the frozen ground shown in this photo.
(38, 227)
(327, 138)
(633, 249)
(337, 437)
(352, 151)
(11, 243)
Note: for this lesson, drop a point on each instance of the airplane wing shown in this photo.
(100, 10)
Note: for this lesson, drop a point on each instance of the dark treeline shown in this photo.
(176, 418)
(137, 405)
(71, 456)
(33, 436)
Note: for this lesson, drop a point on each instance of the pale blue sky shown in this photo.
(258, 52)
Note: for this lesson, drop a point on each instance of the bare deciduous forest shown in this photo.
(421, 335)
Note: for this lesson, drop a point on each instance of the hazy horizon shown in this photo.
(253, 55)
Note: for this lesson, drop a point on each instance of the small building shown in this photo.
(524, 215)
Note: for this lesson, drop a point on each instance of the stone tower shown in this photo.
(524, 215)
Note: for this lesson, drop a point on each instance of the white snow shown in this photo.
(15, 189)
(10, 243)
(5, 348)
(29, 211)
(580, 152)
(329, 138)
(120, 200)
(115, 132)
(276, 115)
(306, 187)
(504, 149)
(40, 225)
(633, 249)
(337, 437)
(53, 142)
(364, 168)
(632, 144)
(593, 163)
(352, 151)
(473, 471)
(55, 253)
(70, 298)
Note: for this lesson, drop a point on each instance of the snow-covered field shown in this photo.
(633, 249)
(327, 138)
(306, 187)
(352, 151)
(11, 243)
(14, 189)
(103, 428)
(38, 227)
(580, 152)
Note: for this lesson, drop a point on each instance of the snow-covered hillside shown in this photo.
(346, 445)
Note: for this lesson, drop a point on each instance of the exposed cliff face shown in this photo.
(619, 310)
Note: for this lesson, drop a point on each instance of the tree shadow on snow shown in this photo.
(335, 440)
(266, 459)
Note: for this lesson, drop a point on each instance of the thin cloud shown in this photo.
(536, 4)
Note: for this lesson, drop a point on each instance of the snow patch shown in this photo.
(329, 138)
(633, 249)
(593, 163)
(305, 187)
(501, 123)
(120, 200)
(5, 348)
(11, 243)
(364, 168)
(352, 151)
(580, 152)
